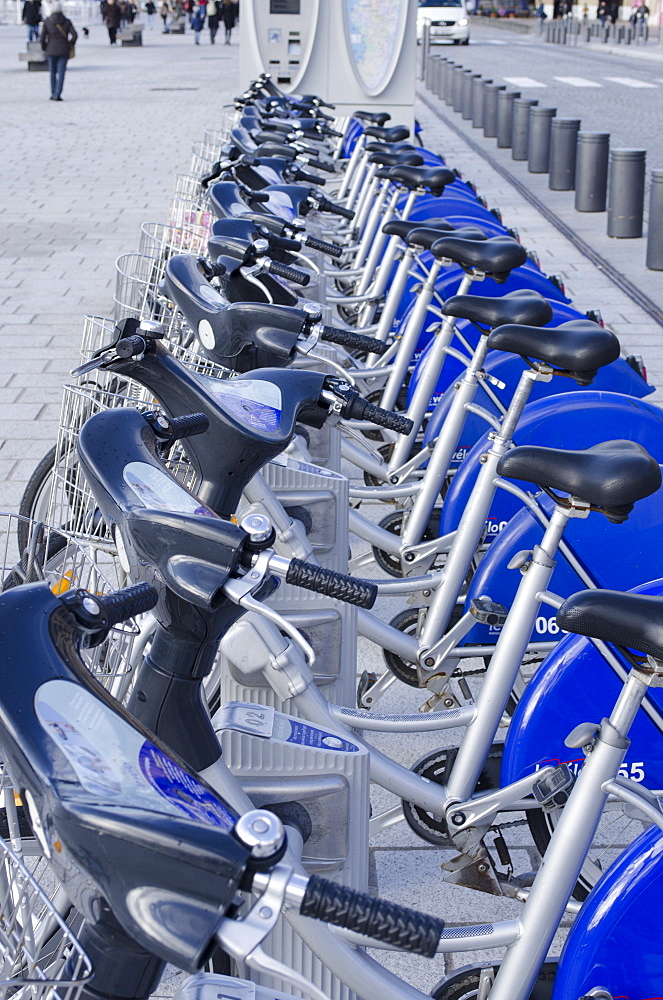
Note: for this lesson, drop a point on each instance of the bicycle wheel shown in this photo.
(34, 502)
(616, 831)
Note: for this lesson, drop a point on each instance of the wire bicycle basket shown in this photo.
(32, 551)
(162, 240)
(56, 968)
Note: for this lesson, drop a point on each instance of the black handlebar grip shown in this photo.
(330, 249)
(279, 242)
(129, 347)
(211, 176)
(303, 178)
(188, 425)
(128, 603)
(329, 206)
(395, 925)
(289, 273)
(360, 409)
(332, 132)
(353, 341)
(331, 584)
(327, 168)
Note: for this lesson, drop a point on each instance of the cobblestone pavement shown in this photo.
(80, 178)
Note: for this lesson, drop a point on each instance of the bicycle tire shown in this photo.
(542, 824)
(34, 502)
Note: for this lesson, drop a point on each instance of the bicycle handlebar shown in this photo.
(127, 603)
(353, 341)
(332, 584)
(325, 205)
(289, 273)
(330, 249)
(327, 168)
(360, 409)
(395, 925)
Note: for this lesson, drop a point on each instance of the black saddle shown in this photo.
(634, 620)
(434, 178)
(578, 347)
(390, 147)
(611, 475)
(394, 159)
(425, 236)
(395, 134)
(529, 306)
(497, 256)
(379, 118)
(402, 228)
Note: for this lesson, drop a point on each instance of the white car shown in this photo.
(449, 21)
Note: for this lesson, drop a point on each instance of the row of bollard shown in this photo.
(568, 32)
(574, 160)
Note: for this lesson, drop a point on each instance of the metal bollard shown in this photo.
(538, 147)
(626, 193)
(445, 80)
(655, 234)
(460, 89)
(520, 127)
(505, 101)
(490, 92)
(439, 75)
(563, 144)
(477, 101)
(592, 171)
(468, 95)
(450, 83)
(456, 81)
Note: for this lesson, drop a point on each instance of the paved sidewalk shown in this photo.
(79, 178)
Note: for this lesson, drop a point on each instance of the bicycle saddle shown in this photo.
(402, 228)
(379, 118)
(521, 306)
(435, 178)
(395, 134)
(579, 346)
(394, 159)
(634, 620)
(496, 256)
(611, 475)
(425, 236)
(390, 147)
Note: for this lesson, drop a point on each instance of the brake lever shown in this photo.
(241, 938)
(240, 590)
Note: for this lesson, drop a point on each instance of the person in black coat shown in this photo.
(32, 17)
(113, 17)
(229, 15)
(58, 36)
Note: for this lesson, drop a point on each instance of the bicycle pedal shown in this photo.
(552, 791)
(488, 612)
(366, 682)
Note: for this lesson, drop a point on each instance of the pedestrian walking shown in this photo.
(197, 24)
(58, 37)
(602, 12)
(229, 15)
(112, 17)
(212, 20)
(31, 17)
(150, 10)
(164, 11)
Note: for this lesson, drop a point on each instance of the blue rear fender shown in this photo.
(617, 377)
(527, 275)
(575, 684)
(615, 557)
(574, 420)
(615, 941)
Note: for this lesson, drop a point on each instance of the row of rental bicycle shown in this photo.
(333, 375)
